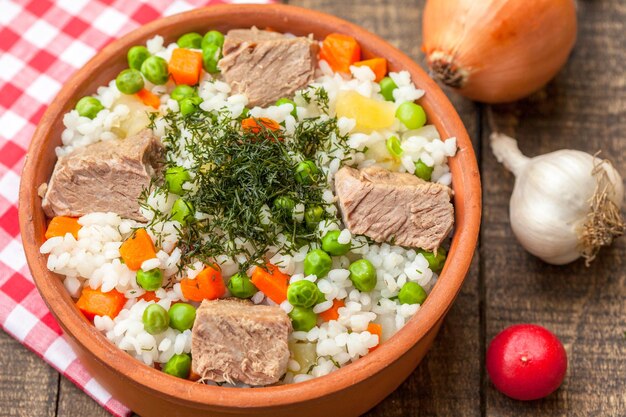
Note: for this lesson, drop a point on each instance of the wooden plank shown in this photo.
(28, 387)
(73, 402)
(448, 381)
(583, 108)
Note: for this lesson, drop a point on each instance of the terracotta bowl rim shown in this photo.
(468, 206)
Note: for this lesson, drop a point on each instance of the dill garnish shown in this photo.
(237, 177)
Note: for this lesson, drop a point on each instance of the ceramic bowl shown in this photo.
(348, 392)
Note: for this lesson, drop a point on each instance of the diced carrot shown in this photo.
(149, 296)
(190, 289)
(97, 303)
(257, 125)
(272, 282)
(333, 312)
(61, 225)
(185, 66)
(251, 124)
(193, 376)
(340, 51)
(211, 283)
(377, 329)
(137, 249)
(148, 98)
(377, 65)
(208, 285)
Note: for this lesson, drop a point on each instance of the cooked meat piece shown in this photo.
(235, 36)
(388, 206)
(233, 341)
(104, 176)
(266, 66)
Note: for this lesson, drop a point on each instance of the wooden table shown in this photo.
(583, 108)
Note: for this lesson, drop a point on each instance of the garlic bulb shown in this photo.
(565, 204)
(497, 50)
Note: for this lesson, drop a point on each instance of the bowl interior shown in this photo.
(105, 66)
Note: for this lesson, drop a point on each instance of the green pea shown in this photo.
(313, 216)
(318, 263)
(154, 68)
(331, 245)
(150, 280)
(394, 147)
(284, 206)
(191, 40)
(210, 57)
(182, 91)
(155, 319)
(320, 297)
(411, 115)
(178, 366)
(182, 211)
(435, 262)
(411, 293)
(88, 107)
(303, 293)
(363, 275)
(187, 106)
(387, 86)
(240, 286)
(212, 37)
(423, 171)
(283, 100)
(136, 56)
(245, 113)
(129, 81)
(182, 316)
(175, 177)
(306, 172)
(302, 319)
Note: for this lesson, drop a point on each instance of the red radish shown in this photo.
(526, 362)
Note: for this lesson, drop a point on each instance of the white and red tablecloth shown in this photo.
(42, 43)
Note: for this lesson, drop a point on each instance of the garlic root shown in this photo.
(565, 204)
(604, 221)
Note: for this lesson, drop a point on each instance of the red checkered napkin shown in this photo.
(41, 44)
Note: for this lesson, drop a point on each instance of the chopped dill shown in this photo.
(319, 97)
(237, 175)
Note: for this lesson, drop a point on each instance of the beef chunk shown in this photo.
(106, 176)
(233, 341)
(393, 206)
(266, 66)
(234, 37)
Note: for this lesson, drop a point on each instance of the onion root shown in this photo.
(444, 69)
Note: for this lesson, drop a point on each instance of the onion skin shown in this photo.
(497, 51)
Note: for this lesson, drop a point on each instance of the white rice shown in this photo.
(151, 264)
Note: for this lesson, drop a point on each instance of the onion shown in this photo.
(498, 51)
